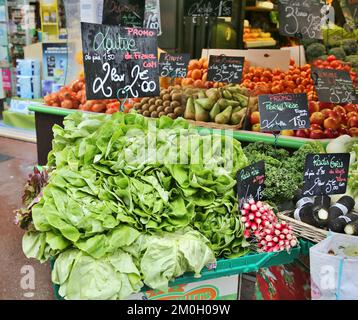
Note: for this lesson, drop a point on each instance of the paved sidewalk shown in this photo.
(17, 159)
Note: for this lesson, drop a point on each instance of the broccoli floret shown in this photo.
(338, 53)
(307, 41)
(350, 46)
(314, 51)
(352, 60)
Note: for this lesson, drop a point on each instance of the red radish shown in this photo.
(246, 206)
(251, 201)
(263, 242)
(270, 244)
(243, 219)
(258, 214)
(281, 243)
(251, 216)
(289, 236)
(278, 226)
(282, 236)
(277, 232)
(247, 233)
(293, 243)
(248, 224)
(244, 212)
(285, 231)
(254, 226)
(268, 238)
(258, 220)
(259, 204)
(253, 208)
(275, 239)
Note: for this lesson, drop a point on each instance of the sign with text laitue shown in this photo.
(326, 173)
(119, 62)
(285, 111)
(301, 18)
(250, 182)
(334, 86)
(173, 65)
(225, 69)
(126, 13)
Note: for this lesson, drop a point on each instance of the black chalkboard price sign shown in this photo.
(119, 62)
(173, 65)
(286, 111)
(126, 13)
(212, 8)
(326, 173)
(251, 182)
(334, 86)
(225, 69)
(301, 18)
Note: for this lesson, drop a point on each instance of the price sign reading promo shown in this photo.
(173, 65)
(212, 8)
(225, 69)
(301, 18)
(119, 62)
(126, 13)
(286, 111)
(334, 86)
(326, 173)
(250, 182)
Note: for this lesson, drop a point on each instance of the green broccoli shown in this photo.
(350, 46)
(307, 41)
(338, 52)
(352, 60)
(314, 51)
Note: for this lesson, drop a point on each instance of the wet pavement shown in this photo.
(20, 278)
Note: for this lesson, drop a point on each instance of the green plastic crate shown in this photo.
(229, 267)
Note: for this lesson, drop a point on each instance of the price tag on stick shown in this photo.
(250, 182)
(225, 69)
(126, 13)
(326, 173)
(119, 62)
(334, 86)
(304, 17)
(173, 65)
(286, 111)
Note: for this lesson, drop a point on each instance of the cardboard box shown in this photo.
(224, 288)
(28, 67)
(28, 87)
(267, 58)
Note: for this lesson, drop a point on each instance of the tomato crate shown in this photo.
(227, 267)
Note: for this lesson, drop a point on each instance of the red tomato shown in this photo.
(331, 58)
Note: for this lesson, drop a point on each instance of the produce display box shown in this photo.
(229, 267)
(46, 117)
(304, 230)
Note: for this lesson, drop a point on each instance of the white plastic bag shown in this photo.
(334, 268)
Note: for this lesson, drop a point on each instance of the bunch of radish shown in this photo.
(262, 225)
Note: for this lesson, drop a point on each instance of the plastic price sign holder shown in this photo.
(250, 182)
(212, 8)
(326, 174)
(301, 17)
(334, 86)
(126, 13)
(173, 65)
(119, 62)
(226, 69)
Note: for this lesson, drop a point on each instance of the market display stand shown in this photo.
(229, 267)
(46, 117)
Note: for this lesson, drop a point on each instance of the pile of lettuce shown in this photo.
(134, 201)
